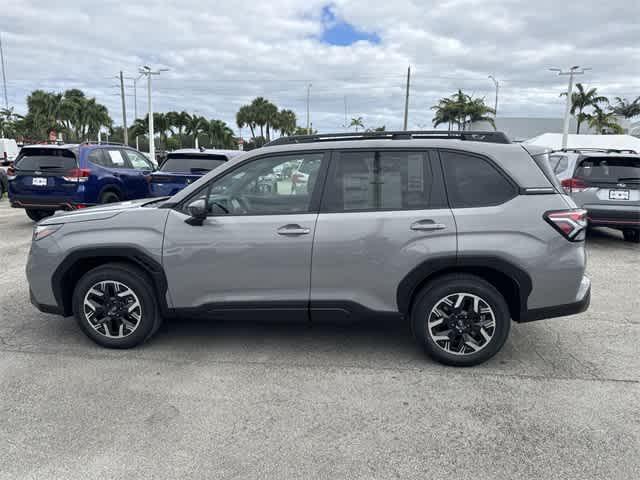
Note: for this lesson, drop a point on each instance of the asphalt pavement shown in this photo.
(209, 400)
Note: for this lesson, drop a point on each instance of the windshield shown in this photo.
(181, 162)
(609, 169)
(45, 159)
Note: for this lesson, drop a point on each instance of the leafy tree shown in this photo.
(583, 99)
(460, 110)
(220, 135)
(246, 118)
(286, 122)
(195, 126)
(626, 108)
(604, 122)
(357, 123)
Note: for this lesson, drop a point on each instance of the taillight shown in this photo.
(572, 224)
(77, 175)
(11, 173)
(571, 185)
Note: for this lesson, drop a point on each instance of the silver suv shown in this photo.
(457, 234)
(606, 183)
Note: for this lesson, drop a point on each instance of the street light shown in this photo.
(575, 70)
(497, 84)
(146, 70)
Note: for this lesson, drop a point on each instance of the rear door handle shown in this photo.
(427, 226)
(293, 229)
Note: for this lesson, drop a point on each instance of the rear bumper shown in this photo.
(583, 299)
(54, 203)
(613, 215)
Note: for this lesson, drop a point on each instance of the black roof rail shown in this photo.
(91, 142)
(593, 149)
(469, 135)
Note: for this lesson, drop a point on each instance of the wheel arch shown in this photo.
(79, 262)
(511, 281)
(111, 187)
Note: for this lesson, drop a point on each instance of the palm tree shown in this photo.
(162, 125)
(220, 135)
(357, 123)
(286, 122)
(604, 122)
(140, 127)
(583, 99)
(195, 126)
(477, 111)
(625, 108)
(245, 117)
(461, 110)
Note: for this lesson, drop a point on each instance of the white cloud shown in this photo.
(223, 54)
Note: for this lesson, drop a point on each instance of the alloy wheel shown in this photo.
(112, 309)
(461, 323)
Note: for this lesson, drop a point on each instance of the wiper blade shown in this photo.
(194, 170)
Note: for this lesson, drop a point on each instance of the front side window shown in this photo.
(474, 182)
(382, 180)
(270, 185)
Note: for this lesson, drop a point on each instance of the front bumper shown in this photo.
(44, 308)
(583, 299)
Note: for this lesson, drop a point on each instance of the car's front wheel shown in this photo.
(36, 215)
(632, 235)
(460, 320)
(114, 305)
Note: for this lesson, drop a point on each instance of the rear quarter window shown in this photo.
(473, 181)
(46, 159)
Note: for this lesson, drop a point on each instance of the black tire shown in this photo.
(430, 296)
(137, 281)
(631, 235)
(109, 197)
(36, 215)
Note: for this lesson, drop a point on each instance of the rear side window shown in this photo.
(198, 163)
(44, 159)
(559, 163)
(609, 169)
(474, 182)
(98, 158)
(382, 180)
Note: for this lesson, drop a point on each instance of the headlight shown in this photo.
(43, 231)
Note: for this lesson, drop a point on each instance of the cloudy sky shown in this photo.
(221, 54)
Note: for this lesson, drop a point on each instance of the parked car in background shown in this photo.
(4, 183)
(604, 182)
(185, 166)
(46, 178)
(8, 151)
(456, 236)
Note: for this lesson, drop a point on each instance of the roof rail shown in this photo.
(592, 149)
(470, 135)
(91, 142)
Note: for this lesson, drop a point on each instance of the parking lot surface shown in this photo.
(254, 400)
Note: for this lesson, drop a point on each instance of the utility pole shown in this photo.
(148, 72)
(4, 76)
(345, 126)
(575, 70)
(497, 84)
(406, 100)
(125, 132)
(308, 97)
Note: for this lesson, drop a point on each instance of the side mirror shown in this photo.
(197, 212)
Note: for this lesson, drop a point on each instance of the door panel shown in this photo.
(383, 213)
(241, 260)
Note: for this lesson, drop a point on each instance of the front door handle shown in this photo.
(293, 229)
(427, 226)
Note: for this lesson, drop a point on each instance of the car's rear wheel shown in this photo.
(460, 320)
(36, 214)
(114, 305)
(631, 235)
(109, 197)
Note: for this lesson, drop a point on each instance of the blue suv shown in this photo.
(46, 178)
(185, 166)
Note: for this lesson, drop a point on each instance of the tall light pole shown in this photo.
(4, 77)
(148, 72)
(497, 84)
(308, 97)
(575, 70)
(406, 100)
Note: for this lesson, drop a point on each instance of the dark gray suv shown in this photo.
(456, 233)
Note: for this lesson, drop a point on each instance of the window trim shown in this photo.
(516, 188)
(431, 160)
(314, 201)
